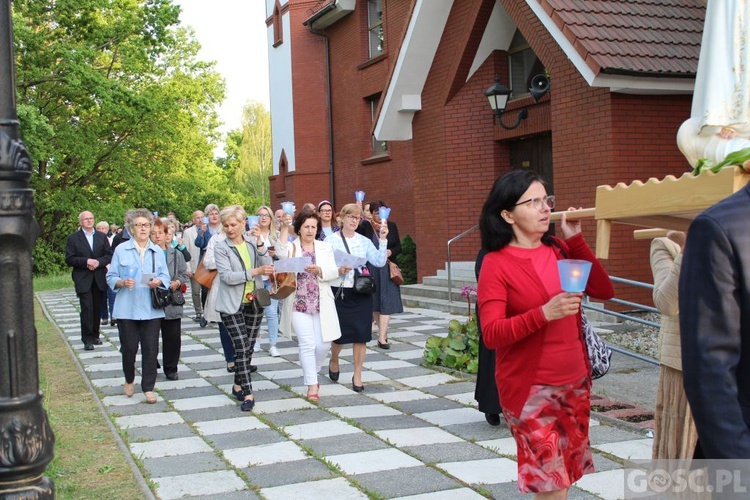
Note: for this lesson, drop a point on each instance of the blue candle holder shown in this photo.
(384, 213)
(205, 220)
(252, 221)
(131, 272)
(574, 274)
(359, 196)
(287, 207)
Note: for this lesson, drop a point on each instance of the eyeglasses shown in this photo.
(539, 203)
(325, 211)
(351, 217)
(142, 225)
(264, 216)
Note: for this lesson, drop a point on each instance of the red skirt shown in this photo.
(552, 437)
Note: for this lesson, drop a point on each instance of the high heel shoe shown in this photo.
(357, 388)
(384, 345)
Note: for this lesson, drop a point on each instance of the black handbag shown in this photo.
(159, 298)
(175, 297)
(364, 284)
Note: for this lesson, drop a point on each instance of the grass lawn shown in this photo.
(87, 463)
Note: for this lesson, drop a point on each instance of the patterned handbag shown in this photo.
(599, 354)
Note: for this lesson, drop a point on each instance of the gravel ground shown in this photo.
(635, 336)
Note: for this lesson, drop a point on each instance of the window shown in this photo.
(524, 65)
(378, 147)
(375, 26)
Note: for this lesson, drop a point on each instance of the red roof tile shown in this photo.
(636, 37)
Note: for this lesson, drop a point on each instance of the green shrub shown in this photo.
(458, 351)
(47, 259)
(407, 260)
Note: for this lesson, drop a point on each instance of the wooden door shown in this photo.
(534, 153)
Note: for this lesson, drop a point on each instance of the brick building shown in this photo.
(387, 96)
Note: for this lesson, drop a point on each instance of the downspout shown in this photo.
(331, 163)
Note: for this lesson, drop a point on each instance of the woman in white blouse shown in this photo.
(354, 309)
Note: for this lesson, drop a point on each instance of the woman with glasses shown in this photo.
(327, 226)
(269, 236)
(387, 298)
(137, 266)
(541, 367)
(354, 310)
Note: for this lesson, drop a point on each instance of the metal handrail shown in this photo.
(455, 238)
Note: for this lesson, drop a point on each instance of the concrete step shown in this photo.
(433, 292)
(443, 281)
(456, 307)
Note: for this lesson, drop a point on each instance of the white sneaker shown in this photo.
(257, 347)
(274, 352)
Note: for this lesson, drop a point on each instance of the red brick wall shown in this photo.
(437, 182)
(354, 78)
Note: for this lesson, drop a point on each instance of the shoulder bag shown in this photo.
(159, 296)
(395, 273)
(364, 284)
(175, 297)
(204, 276)
(284, 284)
(598, 352)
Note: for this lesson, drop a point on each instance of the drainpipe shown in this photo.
(331, 163)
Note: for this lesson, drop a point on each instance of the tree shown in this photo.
(116, 112)
(250, 157)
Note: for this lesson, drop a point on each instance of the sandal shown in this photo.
(314, 397)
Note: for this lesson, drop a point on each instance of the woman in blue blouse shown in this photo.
(354, 310)
(138, 322)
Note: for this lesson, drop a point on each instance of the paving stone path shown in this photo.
(414, 433)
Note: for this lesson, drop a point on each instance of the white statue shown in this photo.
(719, 121)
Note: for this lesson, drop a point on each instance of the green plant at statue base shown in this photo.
(458, 351)
(407, 260)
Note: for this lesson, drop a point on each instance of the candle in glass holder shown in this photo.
(574, 274)
(359, 196)
(131, 272)
(205, 220)
(287, 207)
(384, 213)
(252, 221)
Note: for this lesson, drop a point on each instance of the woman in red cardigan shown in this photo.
(541, 366)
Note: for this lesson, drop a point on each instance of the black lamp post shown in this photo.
(26, 438)
(498, 96)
